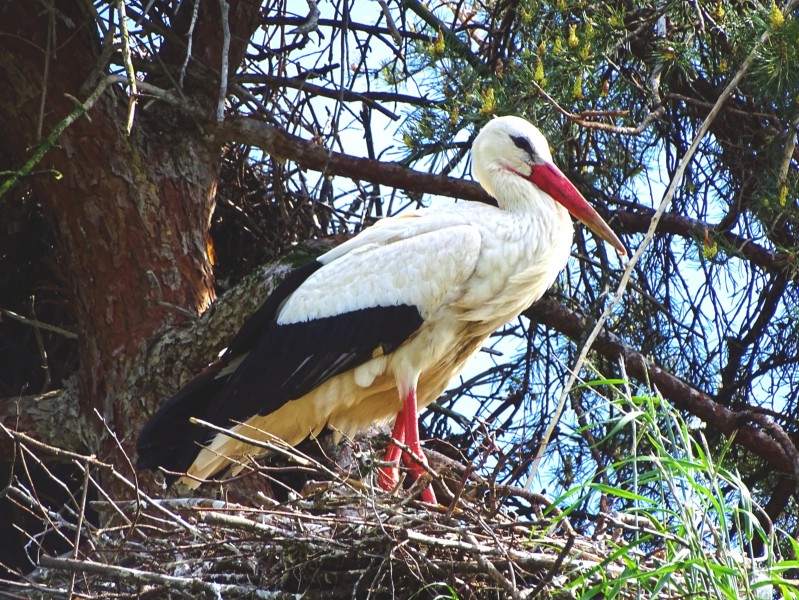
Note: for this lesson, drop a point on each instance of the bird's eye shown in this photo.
(523, 143)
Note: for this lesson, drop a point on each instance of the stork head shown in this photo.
(511, 145)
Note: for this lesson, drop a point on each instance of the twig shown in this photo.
(311, 21)
(407, 452)
(161, 302)
(189, 42)
(452, 41)
(553, 570)
(523, 558)
(392, 27)
(278, 446)
(45, 146)
(489, 567)
(787, 155)
(79, 526)
(23, 438)
(730, 109)
(127, 60)
(371, 99)
(304, 538)
(175, 503)
(37, 333)
(124, 454)
(26, 440)
(583, 122)
(46, 73)
(38, 324)
(183, 583)
(223, 74)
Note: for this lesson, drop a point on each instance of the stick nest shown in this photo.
(339, 538)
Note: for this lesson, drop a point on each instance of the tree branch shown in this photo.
(773, 447)
(638, 222)
(310, 155)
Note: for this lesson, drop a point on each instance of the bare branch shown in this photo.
(584, 121)
(223, 71)
(758, 440)
(309, 155)
(126, 58)
(38, 324)
(311, 21)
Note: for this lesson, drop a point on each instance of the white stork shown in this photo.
(376, 328)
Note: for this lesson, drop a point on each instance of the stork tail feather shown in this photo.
(169, 440)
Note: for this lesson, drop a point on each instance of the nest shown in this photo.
(339, 538)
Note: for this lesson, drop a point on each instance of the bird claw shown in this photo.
(388, 477)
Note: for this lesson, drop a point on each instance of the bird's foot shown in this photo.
(406, 430)
(428, 495)
(417, 465)
(388, 477)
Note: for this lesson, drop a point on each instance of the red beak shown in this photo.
(551, 180)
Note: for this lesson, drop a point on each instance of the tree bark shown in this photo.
(130, 213)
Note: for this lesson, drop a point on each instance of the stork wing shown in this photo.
(363, 302)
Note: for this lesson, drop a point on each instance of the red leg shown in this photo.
(388, 477)
(411, 415)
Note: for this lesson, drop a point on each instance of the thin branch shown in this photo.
(48, 51)
(126, 58)
(392, 27)
(582, 121)
(452, 41)
(223, 74)
(311, 21)
(787, 155)
(39, 324)
(40, 344)
(510, 589)
(189, 42)
(43, 148)
(188, 584)
(372, 99)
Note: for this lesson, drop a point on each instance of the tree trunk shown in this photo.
(137, 205)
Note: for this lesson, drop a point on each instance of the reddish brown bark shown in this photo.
(130, 215)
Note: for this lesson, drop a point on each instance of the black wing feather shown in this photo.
(168, 439)
(280, 363)
(253, 329)
(291, 360)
